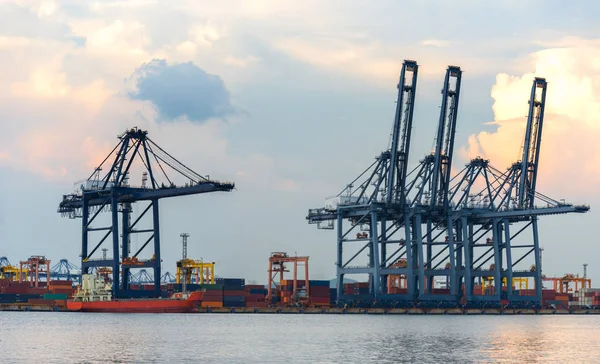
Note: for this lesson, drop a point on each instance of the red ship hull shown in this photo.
(140, 305)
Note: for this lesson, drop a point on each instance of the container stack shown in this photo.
(256, 295)
(233, 292)
(213, 295)
(358, 289)
(586, 297)
(61, 288)
(319, 293)
(15, 292)
(286, 290)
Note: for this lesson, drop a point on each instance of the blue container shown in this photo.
(237, 282)
(319, 283)
(8, 298)
(140, 294)
(363, 297)
(233, 288)
(24, 298)
(258, 291)
(234, 301)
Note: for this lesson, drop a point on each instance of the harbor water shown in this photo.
(252, 338)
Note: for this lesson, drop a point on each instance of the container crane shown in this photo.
(472, 218)
(429, 197)
(65, 270)
(378, 203)
(498, 202)
(111, 192)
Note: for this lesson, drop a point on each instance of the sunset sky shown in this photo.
(289, 99)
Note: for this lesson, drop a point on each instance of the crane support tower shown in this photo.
(431, 224)
(111, 192)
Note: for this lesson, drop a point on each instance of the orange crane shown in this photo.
(563, 284)
(36, 265)
(277, 262)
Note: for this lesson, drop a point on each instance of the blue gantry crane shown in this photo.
(167, 278)
(65, 270)
(377, 204)
(440, 225)
(141, 277)
(111, 192)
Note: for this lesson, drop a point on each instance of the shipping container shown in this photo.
(320, 283)
(55, 296)
(40, 301)
(233, 293)
(256, 304)
(211, 304)
(319, 291)
(254, 286)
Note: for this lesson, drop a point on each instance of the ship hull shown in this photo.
(140, 305)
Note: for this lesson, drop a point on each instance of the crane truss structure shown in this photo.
(8, 271)
(111, 192)
(460, 227)
(277, 267)
(167, 277)
(65, 270)
(193, 271)
(141, 277)
(33, 269)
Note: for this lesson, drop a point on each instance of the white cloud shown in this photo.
(240, 61)
(570, 152)
(436, 43)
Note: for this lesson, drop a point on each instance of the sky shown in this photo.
(290, 100)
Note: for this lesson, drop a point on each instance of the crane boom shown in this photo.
(401, 133)
(445, 137)
(532, 142)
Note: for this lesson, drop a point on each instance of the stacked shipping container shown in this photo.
(256, 295)
(213, 296)
(319, 293)
(286, 291)
(53, 293)
(233, 292)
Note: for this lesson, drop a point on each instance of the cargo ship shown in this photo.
(95, 296)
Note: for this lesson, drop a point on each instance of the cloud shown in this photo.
(35, 22)
(436, 43)
(181, 90)
(240, 62)
(570, 152)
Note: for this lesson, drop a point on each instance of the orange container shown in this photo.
(211, 304)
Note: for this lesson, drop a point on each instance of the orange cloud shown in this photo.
(570, 152)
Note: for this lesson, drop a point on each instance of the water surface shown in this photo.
(237, 338)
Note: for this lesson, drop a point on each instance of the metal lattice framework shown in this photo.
(431, 226)
(167, 278)
(141, 277)
(65, 270)
(111, 192)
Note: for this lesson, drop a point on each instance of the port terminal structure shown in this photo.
(445, 225)
(63, 270)
(111, 192)
(277, 267)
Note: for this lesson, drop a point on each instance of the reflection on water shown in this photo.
(173, 338)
